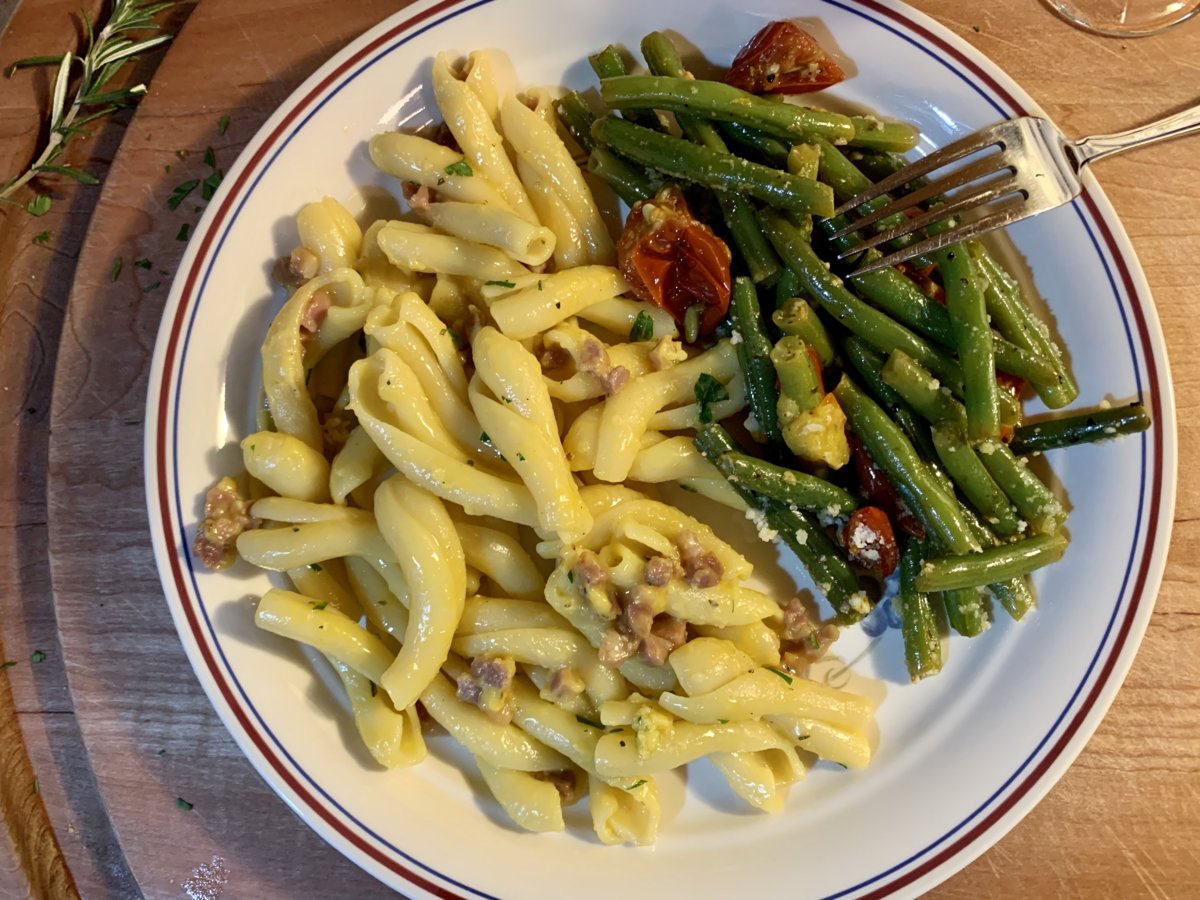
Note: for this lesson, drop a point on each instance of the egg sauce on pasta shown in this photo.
(446, 478)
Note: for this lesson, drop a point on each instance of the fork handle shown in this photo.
(1089, 149)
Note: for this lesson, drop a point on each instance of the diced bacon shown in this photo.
(226, 515)
(701, 568)
(615, 648)
(314, 314)
(419, 196)
(659, 570)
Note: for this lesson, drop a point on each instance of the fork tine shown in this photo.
(935, 160)
(984, 193)
(956, 179)
(1014, 211)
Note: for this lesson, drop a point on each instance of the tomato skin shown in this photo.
(880, 490)
(673, 260)
(869, 541)
(783, 58)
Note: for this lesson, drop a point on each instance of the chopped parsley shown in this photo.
(115, 272)
(784, 675)
(321, 605)
(210, 158)
(588, 722)
(181, 192)
(539, 284)
(637, 784)
(222, 124)
(722, 721)
(37, 656)
(643, 327)
(485, 438)
(180, 803)
(312, 567)
(209, 185)
(520, 456)
(182, 235)
(142, 263)
(503, 284)
(708, 391)
(571, 576)
(39, 205)
(153, 285)
(462, 167)
(42, 238)
(7, 664)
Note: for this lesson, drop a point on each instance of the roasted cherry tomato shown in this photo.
(673, 260)
(924, 280)
(783, 58)
(869, 541)
(880, 490)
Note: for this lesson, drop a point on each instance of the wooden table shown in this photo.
(98, 740)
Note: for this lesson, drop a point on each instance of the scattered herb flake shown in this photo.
(485, 438)
(210, 158)
(539, 284)
(708, 391)
(209, 185)
(637, 784)
(643, 327)
(784, 675)
(37, 786)
(180, 803)
(153, 286)
(142, 263)
(503, 284)
(312, 567)
(520, 456)
(588, 722)
(39, 205)
(321, 605)
(457, 340)
(37, 656)
(462, 167)
(183, 232)
(167, 168)
(43, 238)
(114, 271)
(222, 124)
(181, 192)
(162, 752)
(571, 576)
(7, 664)
(722, 721)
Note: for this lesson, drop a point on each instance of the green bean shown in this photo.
(577, 118)
(895, 137)
(680, 158)
(1080, 428)
(787, 485)
(1014, 595)
(787, 286)
(797, 317)
(918, 624)
(868, 364)
(799, 378)
(715, 100)
(919, 487)
(1036, 503)
(804, 160)
(973, 337)
(1017, 322)
(993, 564)
(609, 63)
(878, 164)
(961, 462)
(875, 327)
(922, 391)
(965, 611)
(769, 150)
(630, 184)
(805, 537)
(755, 358)
(740, 218)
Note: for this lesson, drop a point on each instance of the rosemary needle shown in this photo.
(107, 52)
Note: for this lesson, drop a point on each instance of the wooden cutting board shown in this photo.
(1122, 822)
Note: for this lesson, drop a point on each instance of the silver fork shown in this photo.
(1023, 167)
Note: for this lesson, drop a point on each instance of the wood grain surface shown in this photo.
(1123, 822)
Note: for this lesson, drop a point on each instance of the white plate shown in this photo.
(961, 758)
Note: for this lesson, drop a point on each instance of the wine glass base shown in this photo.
(1125, 18)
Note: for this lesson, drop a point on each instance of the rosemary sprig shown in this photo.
(108, 51)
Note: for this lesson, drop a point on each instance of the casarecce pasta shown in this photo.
(459, 474)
